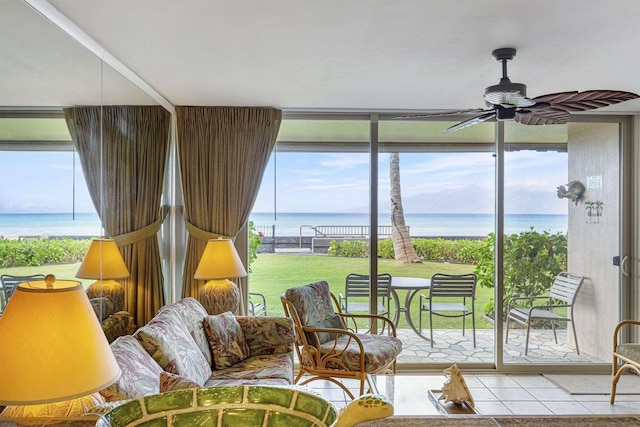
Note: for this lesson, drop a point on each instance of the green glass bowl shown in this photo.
(243, 406)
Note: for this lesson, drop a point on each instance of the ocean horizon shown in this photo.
(300, 223)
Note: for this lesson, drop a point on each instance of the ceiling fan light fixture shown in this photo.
(508, 94)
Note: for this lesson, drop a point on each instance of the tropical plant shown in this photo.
(531, 262)
(255, 240)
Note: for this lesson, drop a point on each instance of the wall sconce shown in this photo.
(53, 347)
(219, 262)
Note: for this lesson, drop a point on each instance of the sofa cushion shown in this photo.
(168, 341)
(192, 313)
(170, 382)
(226, 340)
(267, 335)
(140, 372)
(275, 366)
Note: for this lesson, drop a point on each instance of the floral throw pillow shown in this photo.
(226, 340)
(169, 382)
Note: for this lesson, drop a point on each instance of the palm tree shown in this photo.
(402, 246)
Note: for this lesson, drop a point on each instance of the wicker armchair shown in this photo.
(329, 350)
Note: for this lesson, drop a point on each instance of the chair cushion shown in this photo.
(170, 382)
(380, 351)
(168, 341)
(140, 372)
(192, 313)
(226, 340)
(312, 302)
(334, 322)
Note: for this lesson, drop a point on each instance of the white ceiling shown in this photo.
(370, 55)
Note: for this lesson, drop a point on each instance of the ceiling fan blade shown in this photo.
(547, 116)
(587, 100)
(444, 114)
(470, 122)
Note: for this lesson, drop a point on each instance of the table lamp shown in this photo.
(104, 263)
(52, 347)
(219, 262)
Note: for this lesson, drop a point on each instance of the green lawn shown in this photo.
(272, 274)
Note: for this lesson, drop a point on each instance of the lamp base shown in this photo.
(219, 296)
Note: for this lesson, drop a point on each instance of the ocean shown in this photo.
(292, 224)
(420, 224)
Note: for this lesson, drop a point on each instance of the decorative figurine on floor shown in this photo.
(455, 389)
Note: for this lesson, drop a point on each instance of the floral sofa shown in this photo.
(184, 347)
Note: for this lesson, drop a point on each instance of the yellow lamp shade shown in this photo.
(103, 261)
(52, 346)
(220, 260)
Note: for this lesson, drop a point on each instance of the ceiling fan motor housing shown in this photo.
(505, 114)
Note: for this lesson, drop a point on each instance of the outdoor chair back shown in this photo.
(562, 295)
(359, 286)
(10, 282)
(460, 293)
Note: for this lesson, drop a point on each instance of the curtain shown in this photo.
(223, 152)
(123, 151)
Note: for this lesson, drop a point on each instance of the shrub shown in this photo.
(349, 248)
(531, 261)
(21, 253)
(465, 250)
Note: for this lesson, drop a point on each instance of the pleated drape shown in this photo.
(223, 152)
(123, 151)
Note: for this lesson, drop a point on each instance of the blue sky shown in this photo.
(324, 182)
(432, 183)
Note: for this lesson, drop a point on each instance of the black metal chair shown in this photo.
(458, 287)
(358, 286)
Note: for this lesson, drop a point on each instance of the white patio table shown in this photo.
(413, 285)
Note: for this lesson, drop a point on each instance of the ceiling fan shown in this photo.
(508, 101)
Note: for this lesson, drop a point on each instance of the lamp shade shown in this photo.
(103, 261)
(52, 346)
(219, 260)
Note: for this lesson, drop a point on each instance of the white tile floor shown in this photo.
(493, 395)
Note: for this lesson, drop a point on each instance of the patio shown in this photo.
(452, 347)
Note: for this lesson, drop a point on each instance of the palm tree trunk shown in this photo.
(402, 246)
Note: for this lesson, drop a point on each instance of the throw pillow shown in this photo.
(334, 322)
(168, 341)
(226, 340)
(169, 382)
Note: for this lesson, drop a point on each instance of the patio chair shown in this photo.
(358, 286)
(327, 349)
(257, 304)
(562, 295)
(458, 287)
(9, 283)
